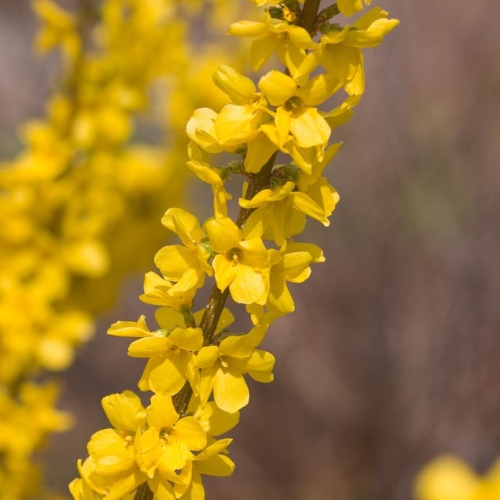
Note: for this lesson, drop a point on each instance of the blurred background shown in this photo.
(392, 356)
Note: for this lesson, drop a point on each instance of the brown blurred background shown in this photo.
(393, 353)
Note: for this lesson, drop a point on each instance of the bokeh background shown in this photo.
(392, 356)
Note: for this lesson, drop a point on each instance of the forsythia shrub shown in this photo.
(275, 137)
(80, 203)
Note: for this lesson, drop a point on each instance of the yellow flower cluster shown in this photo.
(196, 365)
(79, 204)
(449, 478)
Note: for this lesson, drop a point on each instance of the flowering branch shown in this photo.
(196, 365)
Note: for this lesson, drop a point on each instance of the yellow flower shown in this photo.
(187, 265)
(239, 262)
(169, 350)
(295, 109)
(201, 130)
(157, 293)
(280, 211)
(340, 48)
(240, 122)
(213, 420)
(290, 264)
(223, 367)
(288, 40)
(111, 468)
(168, 442)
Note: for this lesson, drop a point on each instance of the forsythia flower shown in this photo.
(223, 368)
(288, 40)
(289, 264)
(157, 292)
(239, 262)
(187, 265)
(111, 468)
(340, 50)
(169, 350)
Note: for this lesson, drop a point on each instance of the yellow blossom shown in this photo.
(290, 264)
(111, 468)
(166, 445)
(223, 367)
(340, 48)
(239, 262)
(156, 292)
(288, 40)
(187, 265)
(169, 350)
(296, 113)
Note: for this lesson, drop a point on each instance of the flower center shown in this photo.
(234, 255)
(293, 104)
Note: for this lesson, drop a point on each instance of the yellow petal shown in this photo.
(207, 356)
(125, 485)
(190, 339)
(168, 318)
(248, 285)
(190, 431)
(319, 89)
(156, 293)
(214, 449)
(306, 205)
(192, 278)
(130, 328)
(174, 260)
(204, 172)
(237, 124)
(150, 346)
(247, 29)
(218, 465)
(122, 410)
(161, 488)
(238, 88)
(309, 128)
(201, 130)
(223, 234)
(215, 421)
(300, 37)
(260, 149)
(161, 413)
(280, 300)
(148, 450)
(283, 121)
(184, 224)
(262, 49)
(207, 379)
(167, 374)
(261, 361)
(230, 390)
(239, 346)
(257, 223)
(277, 87)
